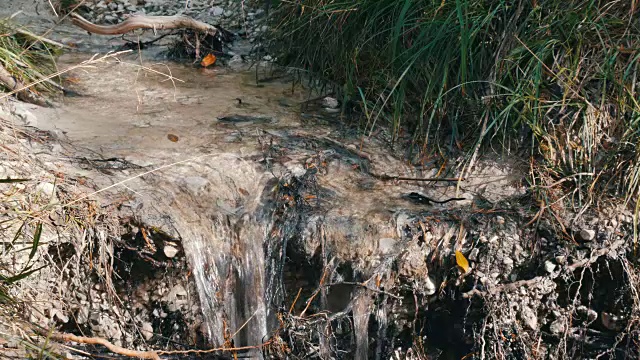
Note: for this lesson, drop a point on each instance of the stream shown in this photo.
(268, 194)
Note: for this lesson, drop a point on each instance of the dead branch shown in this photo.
(99, 341)
(16, 86)
(144, 22)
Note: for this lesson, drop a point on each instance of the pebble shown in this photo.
(216, 11)
(46, 189)
(557, 327)
(386, 245)
(147, 330)
(587, 235)
(329, 102)
(507, 261)
(549, 266)
(430, 286)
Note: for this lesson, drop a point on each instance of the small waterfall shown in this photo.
(216, 211)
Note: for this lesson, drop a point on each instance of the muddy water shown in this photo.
(239, 173)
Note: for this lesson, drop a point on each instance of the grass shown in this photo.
(557, 79)
(26, 59)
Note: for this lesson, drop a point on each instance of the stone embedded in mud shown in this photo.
(216, 11)
(46, 189)
(558, 326)
(330, 102)
(147, 330)
(430, 286)
(587, 235)
(386, 245)
(549, 266)
(530, 318)
(170, 251)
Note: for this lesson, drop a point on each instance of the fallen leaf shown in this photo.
(173, 138)
(243, 191)
(462, 262)
(208, 60)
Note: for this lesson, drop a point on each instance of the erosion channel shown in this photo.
(247, 215)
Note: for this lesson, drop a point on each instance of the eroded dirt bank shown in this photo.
(233, 212)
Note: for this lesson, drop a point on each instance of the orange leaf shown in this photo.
(173, 138)
(208, 60)
(462, 262)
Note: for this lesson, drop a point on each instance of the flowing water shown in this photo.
(264, 190)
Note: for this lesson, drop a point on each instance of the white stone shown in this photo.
(549, 266)
(587, 235)
(170, 251)
(147, 330)
(46, 189)
(386, 245)
(330, 102)
(216, 11)
(430, 286)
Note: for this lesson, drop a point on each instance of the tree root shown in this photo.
(144, 22)
(99, 341)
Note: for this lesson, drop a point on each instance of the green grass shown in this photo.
(557, 78)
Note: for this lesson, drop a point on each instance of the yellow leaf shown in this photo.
(462, 262)
(208, 60)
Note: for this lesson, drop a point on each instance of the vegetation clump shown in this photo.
(556, 78)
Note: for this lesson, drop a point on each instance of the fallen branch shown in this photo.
(16, 86)
(143, 22)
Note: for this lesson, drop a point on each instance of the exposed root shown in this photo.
(144, 22)
(99, 341)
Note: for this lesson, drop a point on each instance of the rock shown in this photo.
(549, 266)
(216, 11)
(561, 259)
(530, 318)
(170, 251)
(473, 255)
(147, 330)
(430, 286)
(507, 261)
(46, 189)
(500, 220)
(386, 245)
(330, 102)
(587, 235)
(228, 13)
(558, 326)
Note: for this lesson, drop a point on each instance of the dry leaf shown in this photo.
(208, 60)
(173, 138)
(462, 262)
(243, 191)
